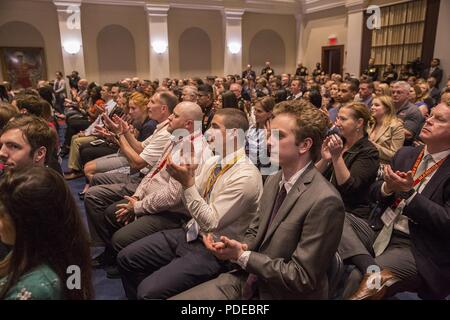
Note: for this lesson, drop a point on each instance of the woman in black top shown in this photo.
(351, 161)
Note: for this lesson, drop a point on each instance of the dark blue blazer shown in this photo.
(429, 226)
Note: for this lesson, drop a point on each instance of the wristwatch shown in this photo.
(405, 194)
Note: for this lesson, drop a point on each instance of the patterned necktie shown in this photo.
(250, 285)
(384, 237)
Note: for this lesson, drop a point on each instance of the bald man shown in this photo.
(156, 205)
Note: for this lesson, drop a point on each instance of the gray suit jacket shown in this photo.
(292, 255)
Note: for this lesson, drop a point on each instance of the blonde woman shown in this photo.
(385, 130)
(383, 89)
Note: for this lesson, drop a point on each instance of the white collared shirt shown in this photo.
(290, 183)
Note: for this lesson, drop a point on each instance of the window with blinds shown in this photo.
(400, 38)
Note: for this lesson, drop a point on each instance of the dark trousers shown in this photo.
(105, 190)
(74, 125)
(88, 152)
(164, 264)
(123, 235)
(358, 238)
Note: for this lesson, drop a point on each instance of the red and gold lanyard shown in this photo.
(422, 176)
(213, 178)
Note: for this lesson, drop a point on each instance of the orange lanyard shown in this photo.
(212, 179)
(422, 176)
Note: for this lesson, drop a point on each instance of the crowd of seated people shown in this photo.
(236, 187)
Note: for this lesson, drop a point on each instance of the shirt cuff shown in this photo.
(242, 261)
(383, 192)
(138, 208)
(191, 194)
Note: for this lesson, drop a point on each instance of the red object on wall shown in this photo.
(332, 41)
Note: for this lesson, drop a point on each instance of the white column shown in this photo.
(301, 24)
(354, 36)
(233, 41)
(69, 19)
(159, 41)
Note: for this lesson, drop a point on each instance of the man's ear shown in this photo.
(39, 154)
(305, 145)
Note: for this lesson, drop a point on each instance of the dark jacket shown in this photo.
(429, 226)
(362, 160)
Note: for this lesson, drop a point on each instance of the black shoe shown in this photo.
(112, 272)
(99, 261)
(64, 152)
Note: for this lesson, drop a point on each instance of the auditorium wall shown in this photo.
(319, 26)
(32, 24)
(94, 19)
(279, 31)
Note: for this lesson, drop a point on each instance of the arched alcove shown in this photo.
(267, 45)
(116, 53)
(194, 52)
(24, 54)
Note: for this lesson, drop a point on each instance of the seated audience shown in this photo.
(218, 199)
(407, 241)
(40, 221)
(349, 160)
(291, 242)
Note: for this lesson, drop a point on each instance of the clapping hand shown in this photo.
(397, 181)
(225, 249)
(184, 172)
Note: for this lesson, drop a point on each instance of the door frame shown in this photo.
(341, 49)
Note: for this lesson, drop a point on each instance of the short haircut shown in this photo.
(32, 104)
(369, 84)
(169, 99)
(311, 123)
(233, 118)
(7, 111)
(37, 132)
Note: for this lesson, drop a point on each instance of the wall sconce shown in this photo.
(159, 46)
(234, 47)
(72, 47)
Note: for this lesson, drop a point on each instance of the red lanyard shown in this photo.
(422, 176)
(169, 149)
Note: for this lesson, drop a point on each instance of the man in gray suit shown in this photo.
(290, 244)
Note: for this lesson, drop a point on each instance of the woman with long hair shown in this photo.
(385, 130)
(40, 221)
(349, 160)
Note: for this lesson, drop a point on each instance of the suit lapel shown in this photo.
(381, 132)
(266, 204)
(297, 190)
(441, 174)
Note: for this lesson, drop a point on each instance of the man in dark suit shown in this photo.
(435, 71)
(291, 242)
(410, 249)
(248, 72)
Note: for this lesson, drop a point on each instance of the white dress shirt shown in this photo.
(155, 145)
(162, 192)
(233, 200)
